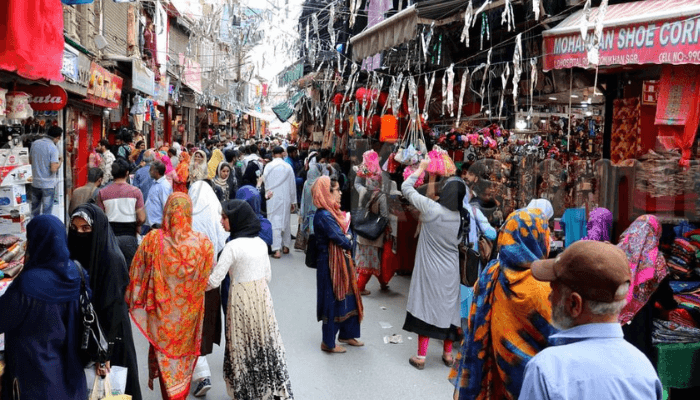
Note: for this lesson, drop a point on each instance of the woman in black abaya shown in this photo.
(92, 243)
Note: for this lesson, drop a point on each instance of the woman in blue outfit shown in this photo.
(41, 320)
(339, 305)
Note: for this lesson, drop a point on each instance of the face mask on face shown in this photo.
(80, 244)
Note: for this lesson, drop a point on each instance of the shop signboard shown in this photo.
(104, 88)
(192, 75)
(45, 98)
(142, 78)
(161, 92)
(648, 32)
(75, 70)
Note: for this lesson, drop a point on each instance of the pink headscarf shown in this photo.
(168, 165)
(641, 244)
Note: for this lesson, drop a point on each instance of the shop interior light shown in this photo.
(574, 96)
(588, 113)
(487, 112)
(552, 98)
(520, 124)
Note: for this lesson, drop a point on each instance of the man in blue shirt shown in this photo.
(142, 177)
(158, 195)
(45, 163)
(589, 358)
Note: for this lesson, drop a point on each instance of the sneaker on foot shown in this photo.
(202, 387)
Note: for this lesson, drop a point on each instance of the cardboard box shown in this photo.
(14, 157)
(22, 209)
(13, 225)
(13, 195)
(15, 175)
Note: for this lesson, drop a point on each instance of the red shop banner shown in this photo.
(669, 39)
(104, 88)
(45, 98)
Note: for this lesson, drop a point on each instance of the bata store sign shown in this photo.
(104, 88)
(646, 32)
(45, 98)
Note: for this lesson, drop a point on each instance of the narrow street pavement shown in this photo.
(375, 371)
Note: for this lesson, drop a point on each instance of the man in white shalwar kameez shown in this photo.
(279, 178)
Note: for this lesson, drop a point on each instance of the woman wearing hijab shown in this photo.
(92, 243)
(433, 297)
(43, 363)
(166, 296)
(649, 285)
(252, 196)
(216, 158)
(198, 167)
(137, 153)
(543, 205)
(182, 173)
(478, 225)
(224, 188)
(206, 219)
(599, 225)
(368, 252)
(510, 319)
(338, 302)
(254, 362)
(170, 173)
(308, 209)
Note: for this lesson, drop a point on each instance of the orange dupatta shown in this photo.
(183, 173)
(168, 278)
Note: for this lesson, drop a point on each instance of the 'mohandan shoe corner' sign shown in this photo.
(644, 32)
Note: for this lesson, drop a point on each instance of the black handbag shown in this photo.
(93, 345)
(311, 252)
(368, 223)
(468, 265)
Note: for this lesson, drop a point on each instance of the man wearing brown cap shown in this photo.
(589, 358)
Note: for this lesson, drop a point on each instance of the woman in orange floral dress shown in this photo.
(182, 173)
(169, 275)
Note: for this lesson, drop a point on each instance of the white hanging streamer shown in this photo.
(507, 16)
(533, 82)
(444, 93)
(517, 67)
(585, 20)
(468, 14)
(479, 10)
(486, 77)
(331, 21)
(462, 87)
(536, 9)
(450, 89)
(314, 21)
(504, 80)
(428, 93)
(354, 8)
(594, 44)
(307, 35)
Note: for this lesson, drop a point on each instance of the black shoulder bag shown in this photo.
(468, 259)
(93, 345)
(368, 222)
(311, 252)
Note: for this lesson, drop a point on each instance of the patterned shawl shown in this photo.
(169, 275)
(491, 362)
(216, 157)
(343, 274)
(641, 244)
(183, 172)
(599, 225)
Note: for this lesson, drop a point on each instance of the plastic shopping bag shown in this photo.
(110, 387)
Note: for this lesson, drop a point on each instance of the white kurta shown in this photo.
(279, 178)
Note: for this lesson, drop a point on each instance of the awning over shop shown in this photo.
(263, 116)
(643, 32)
(401, 27)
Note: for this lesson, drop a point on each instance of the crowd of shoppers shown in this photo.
(195, 230)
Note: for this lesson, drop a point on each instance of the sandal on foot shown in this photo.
(365, 292)
(285, 250)
(276, 254)
(336, 349)
(417, 362)
(352, 342)
(448, 361)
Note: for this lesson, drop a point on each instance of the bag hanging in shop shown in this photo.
(389, 130)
